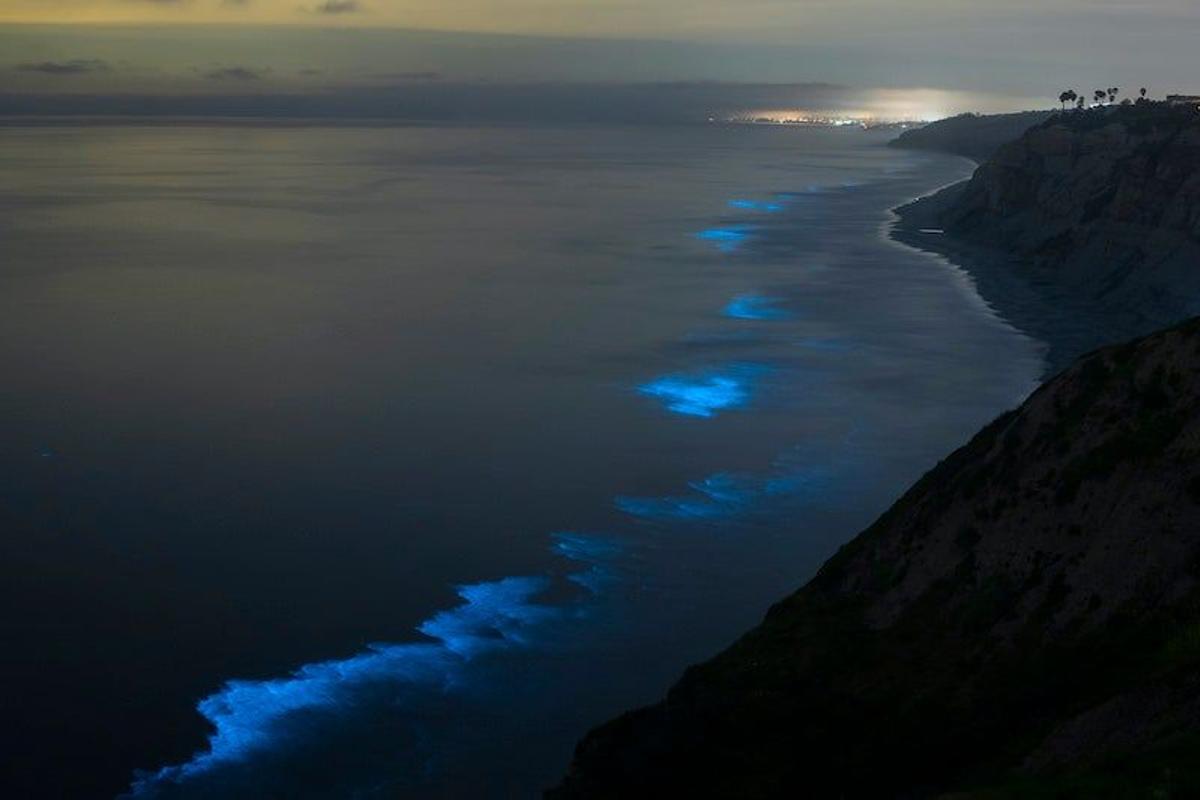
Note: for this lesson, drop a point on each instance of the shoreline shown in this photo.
(1065, 324)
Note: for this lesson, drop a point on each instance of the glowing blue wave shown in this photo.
(585, 548)
(251, 717)
(704, 394)
(726, 238)
(755, 307)
(712, 497)
(725, 495)
(756, 205)
(801, 194)
(597, 552)
(818, 189)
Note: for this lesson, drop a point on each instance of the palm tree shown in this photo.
(1067, 97)
(1099, 95)
(1142, 92)
(1112, 94)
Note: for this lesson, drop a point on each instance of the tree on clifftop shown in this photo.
(1067, 97)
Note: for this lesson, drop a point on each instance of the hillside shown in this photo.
(1096, 214)
(976, 136)
(1024, 622)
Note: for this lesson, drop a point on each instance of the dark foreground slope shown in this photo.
(1092, 217)
(976, 136)
(1024, 622)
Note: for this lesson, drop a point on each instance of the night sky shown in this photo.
(1019, 50)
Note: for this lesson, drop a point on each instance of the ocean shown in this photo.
(383, 461)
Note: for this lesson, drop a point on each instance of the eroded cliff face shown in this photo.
(1025, 619)
(1105, 203)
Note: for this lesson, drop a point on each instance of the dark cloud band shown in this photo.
(77, 66)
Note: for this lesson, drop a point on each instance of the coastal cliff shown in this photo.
(1024, 622)
(975, 136)
(1095, 215)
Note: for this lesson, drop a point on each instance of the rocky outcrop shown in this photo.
(1104, 204)
(976, 136)
(1024, 622)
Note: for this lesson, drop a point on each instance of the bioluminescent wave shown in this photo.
(705, 394)
(726, 238)
(800, 194)
(755, 307)
(595, 551)
(253, 716)
(249, 716)
(726, 495)
(756, 205)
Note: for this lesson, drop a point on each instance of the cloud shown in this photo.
(413, 76)
(338, 7)
(236, 74)
(75, 66)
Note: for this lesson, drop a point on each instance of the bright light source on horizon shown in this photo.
(888, 106)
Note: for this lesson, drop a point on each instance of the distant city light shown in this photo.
(817, 118)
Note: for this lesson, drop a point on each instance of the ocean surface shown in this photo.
(384, 461)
